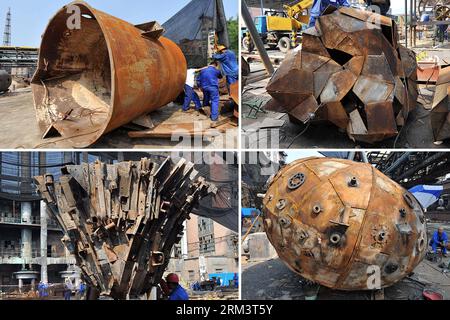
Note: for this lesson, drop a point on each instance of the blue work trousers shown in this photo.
(189, 95)
(211, 98)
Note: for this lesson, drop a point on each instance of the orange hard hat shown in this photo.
(172, 278)
(221, 47)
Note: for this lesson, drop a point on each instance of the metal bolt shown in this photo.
(317, 209)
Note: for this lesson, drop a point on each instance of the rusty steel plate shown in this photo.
(335, 221)
(440, 112)
(96, 78)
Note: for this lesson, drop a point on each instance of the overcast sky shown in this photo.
(398, 6)
(30, 17)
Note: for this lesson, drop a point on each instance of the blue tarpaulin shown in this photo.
(427, 195)
(224, 277)
(247, 212)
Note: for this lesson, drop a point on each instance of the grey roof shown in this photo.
(186, 24)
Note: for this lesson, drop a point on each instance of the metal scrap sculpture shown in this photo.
(350, 71)
(121, 220)
(440, 112)
(336, 222)
(100, 75)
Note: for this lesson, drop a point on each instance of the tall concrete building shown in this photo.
(209, 246)
(207, 249)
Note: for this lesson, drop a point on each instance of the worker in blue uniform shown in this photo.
(43, 289)
(319, 7)
(439, 239)
(208, 81)
(171, 287)
(189, 93)
(229, 63)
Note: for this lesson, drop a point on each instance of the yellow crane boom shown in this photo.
(296, 11)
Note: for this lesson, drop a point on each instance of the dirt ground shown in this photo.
(19, 129)
(273, 280)
(416, 133)
(227, 294)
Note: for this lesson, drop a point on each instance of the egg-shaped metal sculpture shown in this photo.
(342, 224)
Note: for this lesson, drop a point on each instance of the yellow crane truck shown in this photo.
(280, 28)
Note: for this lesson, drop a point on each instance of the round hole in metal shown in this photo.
(335, 238)
(296, 181)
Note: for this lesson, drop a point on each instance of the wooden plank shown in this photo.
(170, 130)
(221, 122)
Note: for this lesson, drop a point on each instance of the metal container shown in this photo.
(5, 81)
(103, 75)
(343, 224)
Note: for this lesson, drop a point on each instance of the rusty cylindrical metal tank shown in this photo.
(5, 81)
(103, 75)
(335, 222)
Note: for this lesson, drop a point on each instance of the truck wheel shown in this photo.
(284, 44)
(247, 44)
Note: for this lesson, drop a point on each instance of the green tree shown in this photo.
(233, 33)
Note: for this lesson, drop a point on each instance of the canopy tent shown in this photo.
(427, 195)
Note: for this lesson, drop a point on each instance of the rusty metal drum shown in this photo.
(102, 75)
(338, 222)
(5, 81)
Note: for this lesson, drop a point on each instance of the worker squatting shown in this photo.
(208, 81)
(439, 242)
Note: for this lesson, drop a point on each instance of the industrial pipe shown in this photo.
(102, 74)
(256, 38)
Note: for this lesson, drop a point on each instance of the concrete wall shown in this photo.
(189, 271)
(223, 259)
(221, 235)
(7, 273)
(259, 247)
(12, 234)
(223, 246)
(192, 236)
